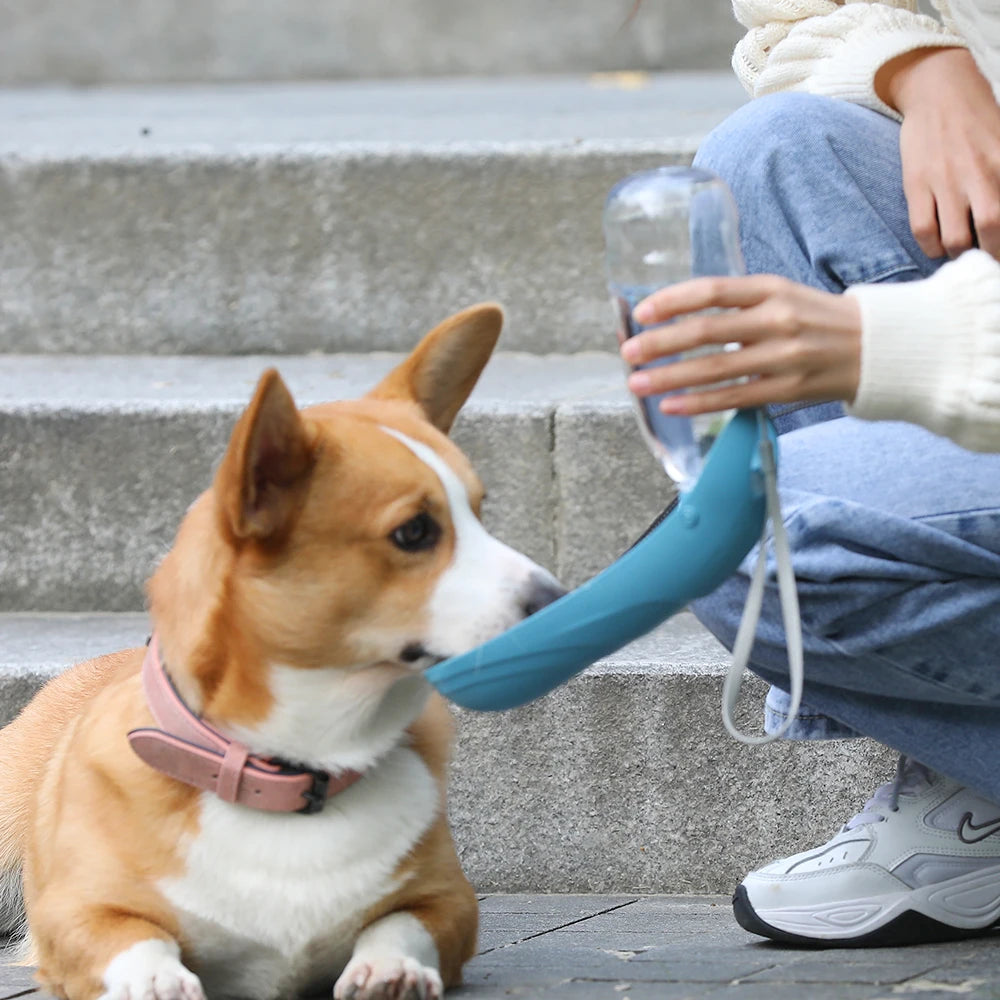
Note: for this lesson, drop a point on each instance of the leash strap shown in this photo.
(788, 598)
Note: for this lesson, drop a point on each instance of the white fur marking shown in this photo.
(150, 970)
(481, 594)
(334, 718)
(395, 956)
(271, 901)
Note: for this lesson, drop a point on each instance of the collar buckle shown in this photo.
(316, 795)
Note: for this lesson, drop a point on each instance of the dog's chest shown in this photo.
(269, 901)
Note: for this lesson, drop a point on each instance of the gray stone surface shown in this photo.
(331, 217)
(672, 947)
(15, 980)
(93, 41)
(36, 647)
(100, 457)
(610, 485)
(680, 948)
(623, 780)
(382, 114)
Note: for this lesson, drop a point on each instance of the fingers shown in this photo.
(940, 219)
(986, 219)
(949, 145)
(705, 293)
(953, 200)
(799, 342)
(753, 361)
(692, 333)
(924, 221)
(759, 308)
(757, 392)
(954, 221)
(951, 225)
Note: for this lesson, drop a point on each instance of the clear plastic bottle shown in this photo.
(661, 227)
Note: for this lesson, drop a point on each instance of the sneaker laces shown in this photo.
(911, 777)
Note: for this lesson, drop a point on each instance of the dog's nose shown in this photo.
(542, 591)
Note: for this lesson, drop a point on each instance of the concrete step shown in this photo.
(621, 781)
(293, 218)
(90, 41)
(101, 456)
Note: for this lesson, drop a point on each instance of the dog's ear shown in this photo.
(263, 475)
(445, 366)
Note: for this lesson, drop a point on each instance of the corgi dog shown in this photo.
(253, 805)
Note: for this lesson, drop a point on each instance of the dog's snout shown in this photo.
(542, 591)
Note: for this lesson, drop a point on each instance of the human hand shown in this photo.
(950, 148)
(795, 343)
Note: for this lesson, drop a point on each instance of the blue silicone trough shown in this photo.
(697, 546)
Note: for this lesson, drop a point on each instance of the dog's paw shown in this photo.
(394, 977)
(150, 970)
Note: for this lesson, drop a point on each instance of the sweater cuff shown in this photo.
(839, 55)
(854, 80)
(930, 351)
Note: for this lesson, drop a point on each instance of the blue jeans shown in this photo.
(895, 531)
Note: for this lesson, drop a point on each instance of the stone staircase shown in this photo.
(162, 244)
(92, 42)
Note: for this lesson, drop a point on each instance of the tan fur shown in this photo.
(284, 560)
(30, 740)
(83, 914)
(435, 890)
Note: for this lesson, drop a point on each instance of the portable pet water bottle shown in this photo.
(662, 227)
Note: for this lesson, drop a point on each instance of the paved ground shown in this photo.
(674, 947)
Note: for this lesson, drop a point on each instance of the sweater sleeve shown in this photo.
(829, 47)
(930, 351)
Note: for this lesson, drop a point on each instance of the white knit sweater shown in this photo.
(930, 349)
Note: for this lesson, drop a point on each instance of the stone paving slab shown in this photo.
(693, 948)
(566, 946)
(17, 982)
(323, 217)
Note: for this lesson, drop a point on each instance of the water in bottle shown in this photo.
(661, 227)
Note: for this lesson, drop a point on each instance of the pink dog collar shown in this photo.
(188, 749)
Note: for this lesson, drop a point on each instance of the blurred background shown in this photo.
(89, 42)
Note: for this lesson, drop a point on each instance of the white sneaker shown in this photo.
(920, 863)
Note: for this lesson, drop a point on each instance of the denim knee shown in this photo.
(760, 130)
(776, 140)
(898, 583)
(818, 185)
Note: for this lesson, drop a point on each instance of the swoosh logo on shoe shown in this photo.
(967, 828)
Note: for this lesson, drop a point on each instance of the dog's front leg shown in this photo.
(106, 955)
(394, 956)
(153, 970)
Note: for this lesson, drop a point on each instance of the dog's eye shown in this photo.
(419, 533)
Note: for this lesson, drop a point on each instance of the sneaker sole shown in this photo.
(909, 927)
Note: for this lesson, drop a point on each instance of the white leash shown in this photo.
(788, 596)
